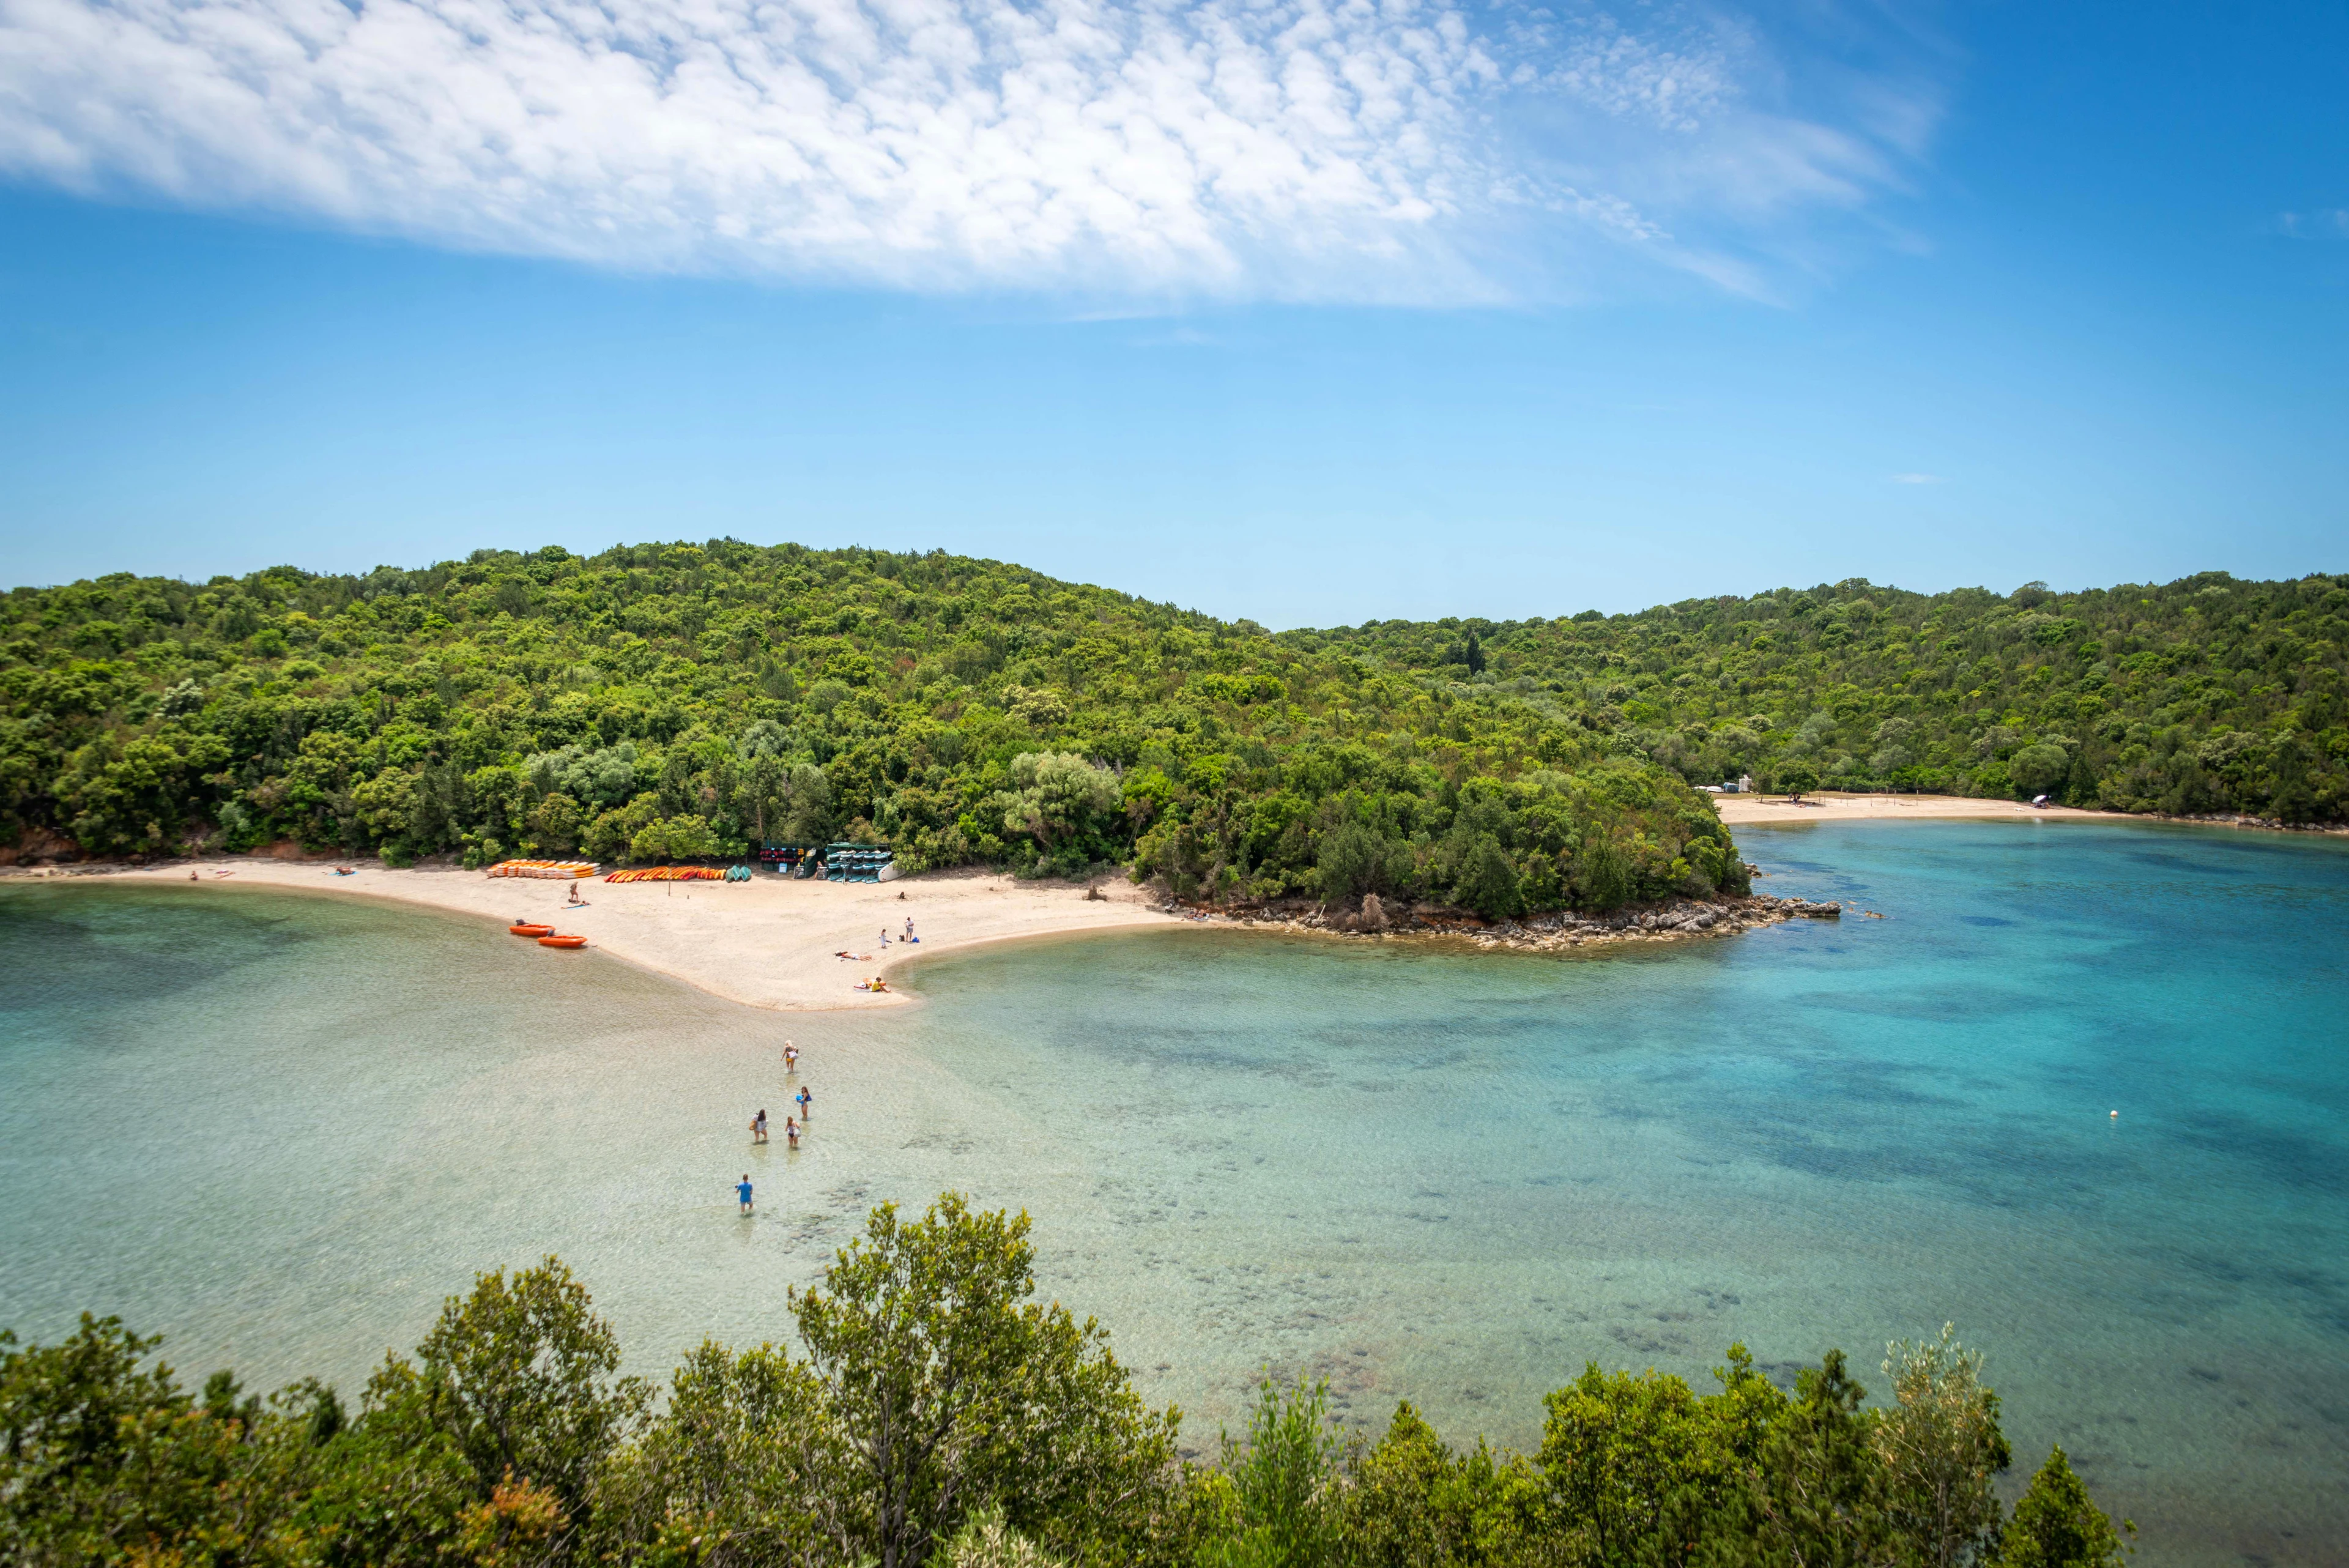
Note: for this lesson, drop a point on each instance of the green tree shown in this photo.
(2056, 1525)
(2036, 768)
(1634, 1466)
(1797, 779)
(1350, 861)
(1414, 1503)
(1941, 1450)
(1487, 881)
(524, 1376)
(945, 1388)
(1812, 1492)
(1283, 1480)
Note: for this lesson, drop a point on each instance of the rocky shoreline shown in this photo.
(1681, 919)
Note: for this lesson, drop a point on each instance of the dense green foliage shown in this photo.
(686, 702)
(682, 701)
(2205, 695)
(939, 1413)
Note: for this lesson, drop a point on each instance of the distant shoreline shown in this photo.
(1747, 810)
(773, 943)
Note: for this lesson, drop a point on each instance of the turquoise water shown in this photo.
(281, 1129)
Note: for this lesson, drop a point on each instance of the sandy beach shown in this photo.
(1736, 809)
(774, 942)
(770, 942)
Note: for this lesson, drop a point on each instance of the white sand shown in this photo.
(769, 943)
(1743, 808)
(772, 942)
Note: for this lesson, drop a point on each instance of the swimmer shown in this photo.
(759, 1126)
(742, 1191)
(791, 1132)
(805, 1100)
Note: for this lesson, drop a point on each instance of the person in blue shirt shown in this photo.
(743, 1190)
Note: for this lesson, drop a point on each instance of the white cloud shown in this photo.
(1404, 149)
(2331, 222)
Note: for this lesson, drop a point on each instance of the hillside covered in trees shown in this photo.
(687, 702)
(2204, 695)
(683, 702)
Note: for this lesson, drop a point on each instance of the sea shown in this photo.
(2079, 1088)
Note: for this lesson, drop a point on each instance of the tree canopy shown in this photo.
(686, 702)
(2204, 695)
(939, 1413)
(689, 701)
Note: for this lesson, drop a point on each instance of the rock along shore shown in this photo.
(1678, 921)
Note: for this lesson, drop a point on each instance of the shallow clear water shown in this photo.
(281, 1129)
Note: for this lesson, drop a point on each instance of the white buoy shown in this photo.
(2116, 1116)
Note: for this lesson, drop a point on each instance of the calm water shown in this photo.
(281, 1129)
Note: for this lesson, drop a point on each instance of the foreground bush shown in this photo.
(938, 1414)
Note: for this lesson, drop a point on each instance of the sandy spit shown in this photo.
(770, 942)
(1736, 809)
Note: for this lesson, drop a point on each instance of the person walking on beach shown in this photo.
(742, 1191)
(791, 1133)
(909, 928)
(759, 1125)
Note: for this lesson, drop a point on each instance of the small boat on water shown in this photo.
(561, 940)
(531, 928)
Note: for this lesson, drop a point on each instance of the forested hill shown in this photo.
(681, 701)
(2201, 695)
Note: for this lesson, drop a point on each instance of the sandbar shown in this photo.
(770, 942)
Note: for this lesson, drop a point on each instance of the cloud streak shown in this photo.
(1354, 150)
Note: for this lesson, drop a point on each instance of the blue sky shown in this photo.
(1308, 310)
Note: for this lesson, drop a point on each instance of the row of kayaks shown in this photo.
(553, 870)
(548, 937)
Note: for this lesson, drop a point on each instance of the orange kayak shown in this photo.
(562, 941)
(531, 928)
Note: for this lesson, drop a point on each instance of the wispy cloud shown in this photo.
(2330, 223)
(1403, 150)
(1919, 479)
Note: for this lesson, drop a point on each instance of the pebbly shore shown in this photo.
(1681, 919)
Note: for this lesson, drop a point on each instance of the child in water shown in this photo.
(742, 1191)
(791, 1133)
(806, 1099)
(759, 1125)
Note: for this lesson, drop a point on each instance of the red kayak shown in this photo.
(562, 941)
(531, 928)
